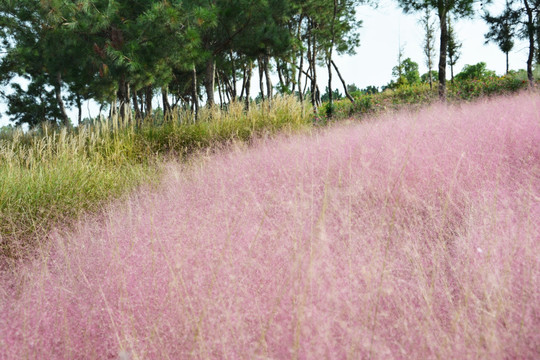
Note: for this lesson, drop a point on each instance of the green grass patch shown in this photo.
(418, 95)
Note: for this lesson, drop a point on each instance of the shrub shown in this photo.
(475, 72)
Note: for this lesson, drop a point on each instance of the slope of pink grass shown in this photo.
(411, 236)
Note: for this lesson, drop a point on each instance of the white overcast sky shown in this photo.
(384, 29)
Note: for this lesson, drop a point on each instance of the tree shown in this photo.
(35, 105)
(330, 26)
(371, 89)
(247, 32)
(335, 94)
(502, 29)
(425, 77)
(453, 49)
(475, 72)
(443, 8)
(102, 49)
(406, 72)
(531, 7)
(31, 39)
(429, 43)
(123, 53)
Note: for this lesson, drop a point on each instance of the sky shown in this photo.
(386, 28)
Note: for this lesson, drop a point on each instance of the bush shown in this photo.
(477, 71)
(416, 95)
(475, 88)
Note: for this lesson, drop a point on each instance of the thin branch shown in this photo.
(343, 82)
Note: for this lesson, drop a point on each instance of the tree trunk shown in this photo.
(99, 112)
(312, 56)
(269, 91)
(300, 66)
(442, 54)
(329, 64)
(219, 88)
(79, 107)
(244, 77)
(307, 82)
(166, 104)
(330, 92)
(261, 76)
(280, 76)
(233, 71)
(537, 32)
(300, 94)
(209, 81)
(343, 82)
(507, 63)
(530, 33)
(124, 99)
(58, 91)
(227, 86)
(148, 97)
(248, 83)
(195, 95)
(138, 114)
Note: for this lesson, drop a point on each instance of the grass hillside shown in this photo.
(412, 236)
(49, 177)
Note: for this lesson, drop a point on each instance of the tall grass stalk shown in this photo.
(51, 176)
(410, 237)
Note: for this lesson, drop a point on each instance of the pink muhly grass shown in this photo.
(411, 236)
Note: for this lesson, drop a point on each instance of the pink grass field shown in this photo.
(412, 236)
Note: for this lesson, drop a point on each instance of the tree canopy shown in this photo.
(57, 54)
(122, 53)
(502, 29)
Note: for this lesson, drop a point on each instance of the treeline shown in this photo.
(123, 53)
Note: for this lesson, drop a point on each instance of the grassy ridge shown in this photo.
(51, 177)
(421, 95)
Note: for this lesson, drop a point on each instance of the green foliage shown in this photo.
(414, 96)
(122, 53)
(33, 106)
(477, 71)
(425, 77)
(410, 71)
(469, 89)
(429, 44)
(502, 28)
(453, 49)
(335, 94)
(371, 89)
(406, 73)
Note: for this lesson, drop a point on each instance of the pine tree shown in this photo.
(502, 29)
(429, 43)
(453, 49)
(443, 8)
